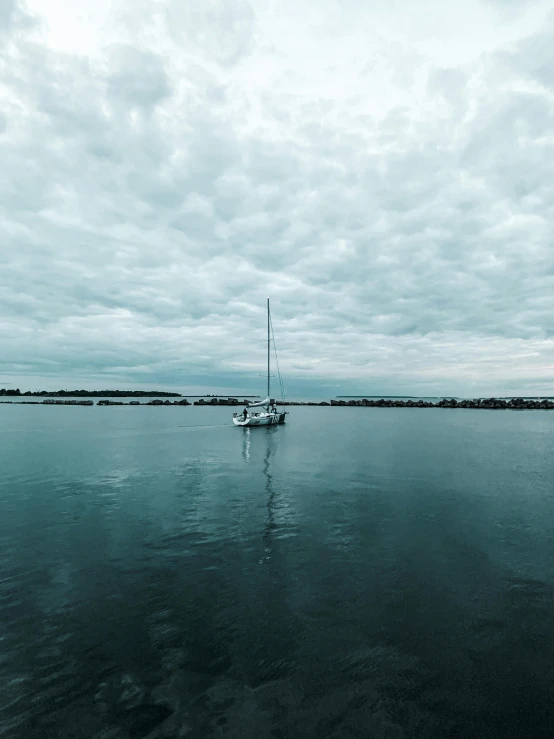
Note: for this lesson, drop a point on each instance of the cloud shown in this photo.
(7, 13)
(221, 30)
(383, 174)
(136, 78)
(13, 19)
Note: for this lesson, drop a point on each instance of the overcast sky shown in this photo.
(383, 170)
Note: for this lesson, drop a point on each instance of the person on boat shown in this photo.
(273, 409)
(245, 413)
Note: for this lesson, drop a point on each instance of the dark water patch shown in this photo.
(143, 719)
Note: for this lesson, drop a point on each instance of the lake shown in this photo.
(357, 572)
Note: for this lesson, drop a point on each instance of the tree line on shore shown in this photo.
(90, 393)
(540, 403)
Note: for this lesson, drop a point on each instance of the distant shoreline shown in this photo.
(493, 403)
(104, 394)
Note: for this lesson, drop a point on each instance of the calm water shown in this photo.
(356, 573)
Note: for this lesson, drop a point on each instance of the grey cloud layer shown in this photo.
(156, 187)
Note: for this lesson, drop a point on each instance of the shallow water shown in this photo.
(355, 573)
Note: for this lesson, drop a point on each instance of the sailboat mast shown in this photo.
(268, 350)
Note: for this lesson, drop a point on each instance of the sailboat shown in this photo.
(268, 414)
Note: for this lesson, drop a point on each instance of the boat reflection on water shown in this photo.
(267, 441)
(246, 445)
(269, 490)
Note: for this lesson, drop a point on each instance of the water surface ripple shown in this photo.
(355, 573)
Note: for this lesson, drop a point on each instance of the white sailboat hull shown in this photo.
(269, 416)
(259, 419)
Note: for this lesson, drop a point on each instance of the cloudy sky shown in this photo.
(383, 170)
